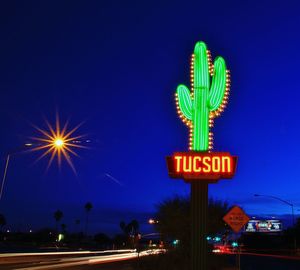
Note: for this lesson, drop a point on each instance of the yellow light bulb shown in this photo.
(58, 142)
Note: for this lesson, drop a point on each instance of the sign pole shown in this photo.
(199, 206)
(239, 258)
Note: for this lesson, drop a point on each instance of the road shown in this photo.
(70, 260)
(256, 261)
(124, 260)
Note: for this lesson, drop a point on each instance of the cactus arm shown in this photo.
(184, 101)
(201, 69)
(218, 85)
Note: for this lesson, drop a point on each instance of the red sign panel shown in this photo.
(201, 165)
(236, 218)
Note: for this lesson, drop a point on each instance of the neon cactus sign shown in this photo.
(198, 107)
(206, 99)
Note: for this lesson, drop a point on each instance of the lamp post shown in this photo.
(153, 221)
(286, 202)
(8, 158)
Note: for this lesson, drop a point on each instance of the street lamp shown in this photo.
(152, 221)
(286, 202)
(57, 141)
(281, 200)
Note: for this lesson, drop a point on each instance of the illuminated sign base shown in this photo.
(192, 166)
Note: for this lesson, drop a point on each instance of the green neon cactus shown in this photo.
(206, 99)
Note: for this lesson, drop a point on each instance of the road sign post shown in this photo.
(236, 218)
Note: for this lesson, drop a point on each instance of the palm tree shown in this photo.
(134, 226)
(88, 207)
(2, 222)
(58, 216)
(130, 230)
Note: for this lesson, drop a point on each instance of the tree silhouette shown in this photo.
(130, 230)
(2, 222)
(88, 207)
(134, 227)
(123, 226)
(173, 217)
(217, 209)
(102, 239)
(58, 215)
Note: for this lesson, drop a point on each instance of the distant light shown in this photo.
(59, 142)
(152, 221)
(60, 237)
(30, 231)
(234, 244)
(28, 144)
(176, 242)
(7, 231)
(217, 239)
(208, 238)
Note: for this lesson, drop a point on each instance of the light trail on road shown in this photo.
(285, 257)
(65, 253)
(276, 256)
(49, 261)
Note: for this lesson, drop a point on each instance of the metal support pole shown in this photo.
(239, 258)
(294, 228)
(4, 176)
(199, 204)
(293, 215)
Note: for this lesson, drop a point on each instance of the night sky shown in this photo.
(115, 65)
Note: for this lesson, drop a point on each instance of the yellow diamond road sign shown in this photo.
(236, 218)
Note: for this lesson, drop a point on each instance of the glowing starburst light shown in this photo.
(57, 142)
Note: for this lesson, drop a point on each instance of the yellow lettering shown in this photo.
(226, 164)
(216, 164)
(187, 164)
(196, 167)
(208, 168)
(178, 159)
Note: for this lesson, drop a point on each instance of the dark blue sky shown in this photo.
(116, 65)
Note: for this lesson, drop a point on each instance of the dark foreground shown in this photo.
(153, 262)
